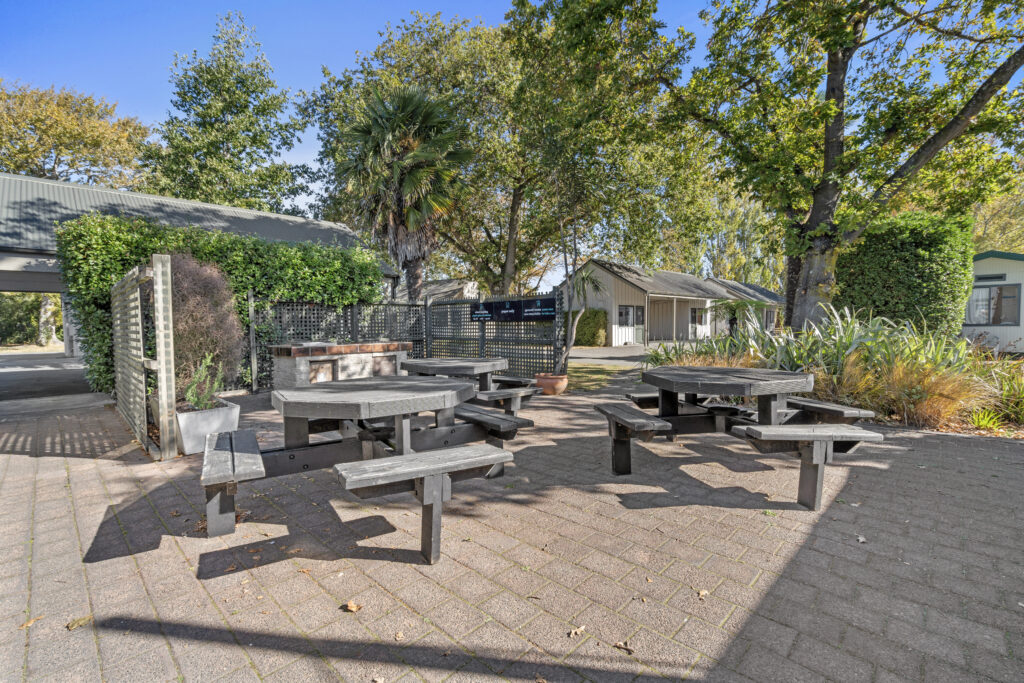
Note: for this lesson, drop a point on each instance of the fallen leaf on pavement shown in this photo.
(701, 594)
(200, 526)
(231, 568)
(650, 580)
(175, 513)
(305, 570)
(352, 606)
(255, 550)
(577, 631)
(76, 623)
(861, 539)
(294, 550)
(30, 622)
(539, 679)
(624, 647)
(855, 505)
(399, 636)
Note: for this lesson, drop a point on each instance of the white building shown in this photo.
(993, 310)
(665, 306)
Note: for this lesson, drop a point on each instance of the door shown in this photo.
(630, 327)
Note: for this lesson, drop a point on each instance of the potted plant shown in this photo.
(203, 412)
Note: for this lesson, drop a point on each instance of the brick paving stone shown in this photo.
(932, 595)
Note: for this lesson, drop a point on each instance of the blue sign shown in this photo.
(517, 310)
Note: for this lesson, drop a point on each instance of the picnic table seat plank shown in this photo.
(429, 474)
(823, 411)
(510, 381)
(511, 398)
(497, 423)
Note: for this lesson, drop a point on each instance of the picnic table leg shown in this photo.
(512, 405)
(296, 432)
(499, 469)
(444, 417)
(768, 407)
(668, 403)
(485, 381)
(813, 457)
(430, 528)
(621, 451)
(220, 510)
(403, 430)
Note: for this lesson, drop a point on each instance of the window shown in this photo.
(625, 316)
(697, 316)
(990, 278)
(638, 315)
(994, 305)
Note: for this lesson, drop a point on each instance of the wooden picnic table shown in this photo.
(370, 398)
(480, 368)
(771, 388)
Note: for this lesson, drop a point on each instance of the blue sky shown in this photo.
(123, 50)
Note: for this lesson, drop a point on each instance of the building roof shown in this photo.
(992, 253)
(747, 291)
(666, 282)
(441, 289)
(30, 209)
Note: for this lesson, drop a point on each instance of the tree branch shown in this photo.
(948, 32)
(954, 128)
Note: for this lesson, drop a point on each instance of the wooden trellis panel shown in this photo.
(130, 361)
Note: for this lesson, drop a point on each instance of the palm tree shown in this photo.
(403, 170)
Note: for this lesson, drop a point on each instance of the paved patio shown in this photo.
(697, 565)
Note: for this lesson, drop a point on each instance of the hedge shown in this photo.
(592, 329)
(95, 251)
(914, 266)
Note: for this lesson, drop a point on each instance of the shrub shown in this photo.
(592, 329)
(915, 266)
(207, 330)
(203, 384)
(96, 251)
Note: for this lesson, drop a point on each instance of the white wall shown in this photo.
(616, 292)
(1001, 337)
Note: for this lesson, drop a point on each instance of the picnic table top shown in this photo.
(727, 381)
(454, 366)
(369, 397)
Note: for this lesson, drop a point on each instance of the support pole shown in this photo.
(164, 328)
(253, 364)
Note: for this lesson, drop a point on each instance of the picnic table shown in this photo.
(771, 389)
(370, 398)
(480, 368)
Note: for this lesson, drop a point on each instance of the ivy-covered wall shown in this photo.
(95, 251)
(914, 266)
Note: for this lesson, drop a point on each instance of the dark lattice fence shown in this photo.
(448, 331)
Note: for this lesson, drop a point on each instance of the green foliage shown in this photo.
(223, 143)
(96, 251)
(986, 418)
(404, 171)
(67, 135)
(19, 318)
(204, 384)
(592, 329)
(914, 266)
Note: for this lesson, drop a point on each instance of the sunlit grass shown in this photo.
(592, 376)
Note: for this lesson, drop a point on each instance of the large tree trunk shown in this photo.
(815, 284)
(508, 270)
(414, 279)
(793, 264)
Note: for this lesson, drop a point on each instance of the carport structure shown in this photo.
(32, 208)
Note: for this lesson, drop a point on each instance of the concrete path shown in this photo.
(697, 565)
(36, 375)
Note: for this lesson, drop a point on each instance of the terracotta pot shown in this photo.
(551, 385)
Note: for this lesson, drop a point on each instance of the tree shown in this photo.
(833, 112)
(999, 222)
(69, 136)
(495, 234)
(222, 144)
(403, 172)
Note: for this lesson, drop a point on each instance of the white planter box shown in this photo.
(194, 426)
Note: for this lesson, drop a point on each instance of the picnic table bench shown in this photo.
(624, 424)
(815, 444)
(511, 398)
(429, 475)
(230, 458)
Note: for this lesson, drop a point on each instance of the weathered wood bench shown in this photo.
(625, 423)
(510, 398)
(509, 381)
(429, 475)
(814, 411)
(815, 445)
(230, 458)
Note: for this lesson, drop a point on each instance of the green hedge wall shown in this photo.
(95, 251)
(914, 266)
(593, 327)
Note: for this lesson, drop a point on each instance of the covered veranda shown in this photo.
(677, 318)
